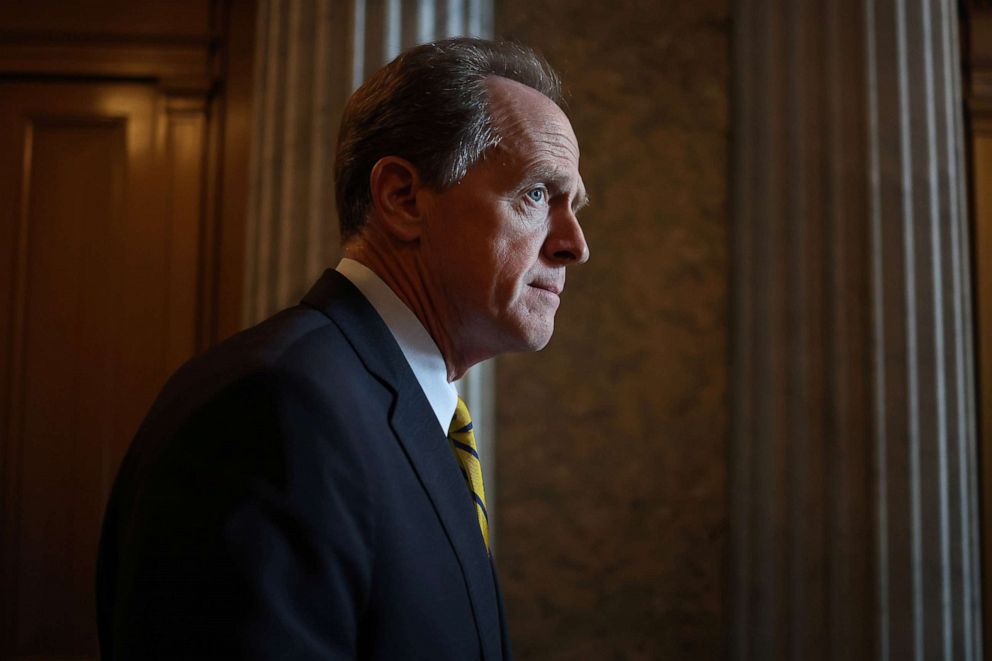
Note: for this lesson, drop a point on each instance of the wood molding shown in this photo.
(980, 41)
(979, 61)
(186, 139)
(29, 55)
(227, 192)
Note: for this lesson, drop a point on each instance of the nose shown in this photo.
(566, 244)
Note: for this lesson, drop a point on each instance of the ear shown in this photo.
(394, 184)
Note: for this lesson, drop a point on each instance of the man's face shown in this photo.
(497, 243)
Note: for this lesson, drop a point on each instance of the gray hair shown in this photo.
(429, 106)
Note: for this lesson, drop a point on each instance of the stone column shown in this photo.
(854, 529)
(310, 56)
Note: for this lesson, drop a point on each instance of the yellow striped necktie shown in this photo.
(463, 444)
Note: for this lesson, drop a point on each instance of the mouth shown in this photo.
(551, 287)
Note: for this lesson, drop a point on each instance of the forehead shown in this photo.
(531, 126)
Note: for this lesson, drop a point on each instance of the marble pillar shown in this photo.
(853, 494)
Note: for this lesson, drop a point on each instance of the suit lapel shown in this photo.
(415, 425)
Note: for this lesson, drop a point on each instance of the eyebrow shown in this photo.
(552, 176)
(579, 203)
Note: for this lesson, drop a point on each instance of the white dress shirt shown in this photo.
(415, 342)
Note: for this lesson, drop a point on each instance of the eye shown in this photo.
(538, 194)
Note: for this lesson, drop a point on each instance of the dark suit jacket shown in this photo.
(290, 495)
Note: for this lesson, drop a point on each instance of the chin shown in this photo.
(541, 345)
(536, 339)
(516, 335)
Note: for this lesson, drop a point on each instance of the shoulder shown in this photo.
(292, 386)
(278, 429)
(300, 349)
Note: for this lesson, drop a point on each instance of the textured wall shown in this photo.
(612, 442)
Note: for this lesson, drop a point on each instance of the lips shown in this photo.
(552, 287)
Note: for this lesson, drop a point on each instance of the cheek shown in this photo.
(513, 262)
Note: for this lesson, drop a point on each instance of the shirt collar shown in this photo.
(415, 342)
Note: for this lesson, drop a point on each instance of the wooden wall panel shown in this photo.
(65, 415)
(108, 183)
(123, 174)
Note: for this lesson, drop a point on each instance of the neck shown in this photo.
(398, 265)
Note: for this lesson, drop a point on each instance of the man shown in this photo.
(309, 488)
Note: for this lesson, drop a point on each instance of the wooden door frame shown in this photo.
(977, 61)
(224, 303)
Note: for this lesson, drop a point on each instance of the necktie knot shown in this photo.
(461, 421)
(462, 440)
